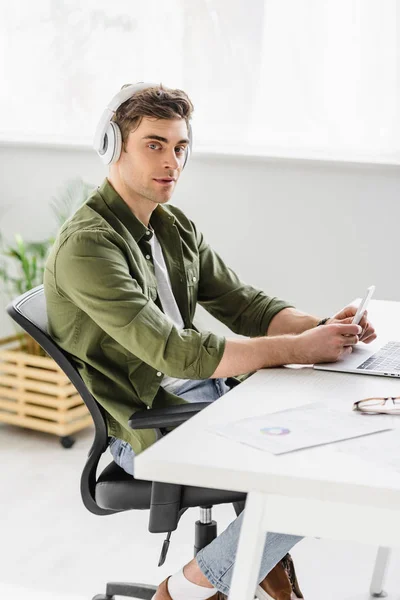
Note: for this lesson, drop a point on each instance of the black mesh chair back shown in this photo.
(29, 311)
(114, 490)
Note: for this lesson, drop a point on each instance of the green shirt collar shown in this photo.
(161, 216)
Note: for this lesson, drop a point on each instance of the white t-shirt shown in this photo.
(168, 303)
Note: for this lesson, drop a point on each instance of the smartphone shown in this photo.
(363, 305)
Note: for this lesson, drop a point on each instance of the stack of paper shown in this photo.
(302, 427)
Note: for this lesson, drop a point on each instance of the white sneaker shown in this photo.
(262, 595)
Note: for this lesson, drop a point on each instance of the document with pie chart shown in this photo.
(302, 427)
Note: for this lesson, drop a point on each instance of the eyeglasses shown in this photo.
(378, 406)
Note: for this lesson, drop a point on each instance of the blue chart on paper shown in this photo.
(275, 430)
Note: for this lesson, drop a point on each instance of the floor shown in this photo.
(53, 549)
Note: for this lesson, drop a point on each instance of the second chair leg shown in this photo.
(140, 591)
(379, 572)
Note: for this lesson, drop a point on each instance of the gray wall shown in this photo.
(314, 233)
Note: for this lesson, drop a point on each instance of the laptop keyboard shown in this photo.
(387, 359)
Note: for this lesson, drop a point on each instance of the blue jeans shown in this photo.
(217, 559)
(193, 390)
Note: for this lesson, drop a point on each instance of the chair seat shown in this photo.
(117, 490)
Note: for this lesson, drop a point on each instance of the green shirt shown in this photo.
(103, 307)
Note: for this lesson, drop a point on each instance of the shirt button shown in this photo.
(148, 256)
(159, 373)
(194, 279)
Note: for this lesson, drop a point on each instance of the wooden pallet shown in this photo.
(35, 393)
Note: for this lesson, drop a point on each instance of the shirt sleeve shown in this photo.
(241, 307)
(91, 270)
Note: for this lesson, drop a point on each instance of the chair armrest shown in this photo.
(170, 416)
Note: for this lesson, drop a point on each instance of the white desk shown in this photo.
(334, 491)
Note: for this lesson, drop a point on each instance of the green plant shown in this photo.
(69, 199)
(27, 269)
(23, 262)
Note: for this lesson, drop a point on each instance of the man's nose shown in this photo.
(172, 161)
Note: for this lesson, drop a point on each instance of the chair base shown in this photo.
(129, 590)
(205, 533)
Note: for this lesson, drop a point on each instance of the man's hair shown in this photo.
(158, 102)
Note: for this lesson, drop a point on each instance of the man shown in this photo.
(122, 283)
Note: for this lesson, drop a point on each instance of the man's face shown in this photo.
(154, 158)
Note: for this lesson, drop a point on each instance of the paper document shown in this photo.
(302, 427)
(378, 452)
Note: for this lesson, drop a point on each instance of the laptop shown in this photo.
(383, 360)
(374, 359)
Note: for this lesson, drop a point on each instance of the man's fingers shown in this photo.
(351, 340)
(347, 312)
(370, 338)
(368, 331)
(347, 350)
(364, 320)
(348, 329)
(347, 321)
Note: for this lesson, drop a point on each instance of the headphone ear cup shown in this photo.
(117, 145)
(187, 154)
(112, 144)
(189, 147)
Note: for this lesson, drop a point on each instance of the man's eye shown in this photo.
(180, 149)
(153, 146)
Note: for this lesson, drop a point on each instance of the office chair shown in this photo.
(114, 490)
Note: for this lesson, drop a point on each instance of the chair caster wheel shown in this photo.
(67, 442)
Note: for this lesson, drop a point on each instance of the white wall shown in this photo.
(314, 233)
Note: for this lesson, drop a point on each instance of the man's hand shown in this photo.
(346, 315)
(327, 343)
(295, 339)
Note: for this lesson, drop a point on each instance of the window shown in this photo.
(288, 77)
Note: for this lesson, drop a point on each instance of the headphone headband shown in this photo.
(108, 139)
(127, 92)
